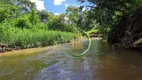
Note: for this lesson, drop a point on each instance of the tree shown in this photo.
(43, 16)
(123, 17)
(60, 22)
(14, 8)
(109, 12)
(34, 18)
(7, 11)
(24, 5)
(23, 22)
(80, 18)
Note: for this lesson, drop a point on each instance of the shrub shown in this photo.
(25, 38)
(23, 22)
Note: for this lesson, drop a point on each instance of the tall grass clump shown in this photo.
(30, 38)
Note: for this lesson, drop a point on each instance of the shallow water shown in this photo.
(54, 63)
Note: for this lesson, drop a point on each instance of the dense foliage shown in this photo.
(109, 12)
(120, 19)
(23, 26)
(28, 38)
(79, 18)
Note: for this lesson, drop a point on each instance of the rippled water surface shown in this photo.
(54, 63)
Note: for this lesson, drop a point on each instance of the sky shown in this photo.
(55, 6)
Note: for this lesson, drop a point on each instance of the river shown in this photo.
(54, 63)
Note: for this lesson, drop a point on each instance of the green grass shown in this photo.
(30, 38)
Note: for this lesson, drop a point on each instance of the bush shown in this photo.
(41, 26)
(23, 22)
(25, 38)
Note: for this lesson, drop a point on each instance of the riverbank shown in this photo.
(27, 51)
(34, 50)
(16, 39)
(24, 51)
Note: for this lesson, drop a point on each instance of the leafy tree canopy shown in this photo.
(109, 12)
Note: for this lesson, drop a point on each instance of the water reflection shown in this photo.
(100, 63)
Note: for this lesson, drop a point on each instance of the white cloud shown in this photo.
(66, 5)
(39, 4)
(56, 13)
(58, 2)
